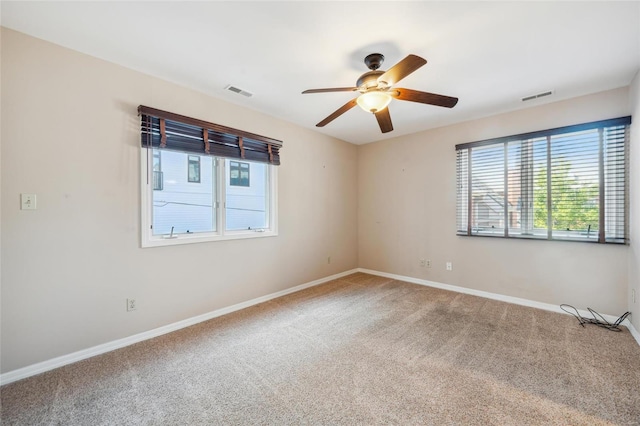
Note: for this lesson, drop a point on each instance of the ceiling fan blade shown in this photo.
(402, 69)
(424, 97)
(332, 89)
(384, 120)
(344, 108)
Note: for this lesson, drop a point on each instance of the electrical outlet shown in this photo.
(449, 266)
(423, 262)
(131, 305)
(428, 264)
(328, 259)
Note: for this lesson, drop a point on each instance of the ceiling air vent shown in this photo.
(239, 91)
(539, 95)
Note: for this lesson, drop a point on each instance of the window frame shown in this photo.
(467, 198)
(174, 132)
(221, 234)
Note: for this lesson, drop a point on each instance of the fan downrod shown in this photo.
(374, 61)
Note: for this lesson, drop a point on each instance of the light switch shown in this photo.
(27, 201)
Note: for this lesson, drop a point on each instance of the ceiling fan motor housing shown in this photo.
(368, 80)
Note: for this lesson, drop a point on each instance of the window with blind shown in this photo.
(567, 183)
(186, 195)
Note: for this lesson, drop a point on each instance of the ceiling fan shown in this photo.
(376, 90)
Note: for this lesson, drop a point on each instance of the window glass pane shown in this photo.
(539, 203)
(158, 179)
(462, 188)
(487, 171)
(186, 206)
(156, 160)
(563, 184)
(527, 188)
(519, 186)
(194, 169)
(247, 204)
(574, 185)
(615, 166)
(239, 173)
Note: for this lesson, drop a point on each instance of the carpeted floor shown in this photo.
(360, 350)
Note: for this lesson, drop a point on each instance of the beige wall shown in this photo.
(407, 208)
(634, 200)
(70, 135)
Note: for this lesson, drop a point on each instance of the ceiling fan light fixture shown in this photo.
(373, 101)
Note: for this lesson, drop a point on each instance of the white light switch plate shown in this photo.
(27, 201)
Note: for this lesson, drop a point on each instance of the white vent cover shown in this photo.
(539, 95)
(239, 91)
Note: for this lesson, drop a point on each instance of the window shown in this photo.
(225, 204)
(247, 206)
(193, 169)
(158, 180)
(182, 208)
(239, 173)
(568, 183)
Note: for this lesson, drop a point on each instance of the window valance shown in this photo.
(162, 129)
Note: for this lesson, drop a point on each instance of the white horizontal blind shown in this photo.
(575, 186)
(462, 186)
(527, 188)
(563, 184)
(488, 190)
(616, 164)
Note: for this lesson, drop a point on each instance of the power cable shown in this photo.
(597, 318)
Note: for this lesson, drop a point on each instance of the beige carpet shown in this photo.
(360, 350)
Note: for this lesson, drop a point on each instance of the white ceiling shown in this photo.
(488, 54)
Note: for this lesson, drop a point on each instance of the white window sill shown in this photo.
(193, 239)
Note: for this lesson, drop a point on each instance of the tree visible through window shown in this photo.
(574, 203)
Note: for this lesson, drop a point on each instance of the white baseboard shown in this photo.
(500, 297)
(632, 330)
(41, 367)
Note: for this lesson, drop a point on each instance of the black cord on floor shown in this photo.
(600, 322)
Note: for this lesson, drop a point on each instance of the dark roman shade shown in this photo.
(162, 129)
